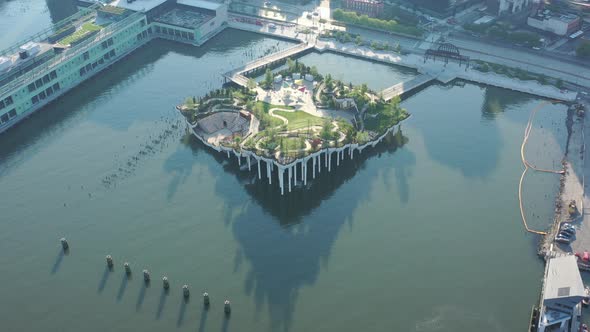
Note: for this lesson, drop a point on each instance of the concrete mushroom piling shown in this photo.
(206, 300)
(64, 244)
(227, 307)
(185, 291)
(127, 268)
(109, 261)
(165, 283)
(146, 276)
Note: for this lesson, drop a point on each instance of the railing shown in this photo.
(269, 58)
(173, 38)
(402, 87)
(68, 54)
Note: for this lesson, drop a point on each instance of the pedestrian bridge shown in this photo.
(403, 87)
(237, 75)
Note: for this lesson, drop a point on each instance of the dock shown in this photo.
(400, 88)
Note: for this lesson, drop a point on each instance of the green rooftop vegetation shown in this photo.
(112, 10)
(85, 30)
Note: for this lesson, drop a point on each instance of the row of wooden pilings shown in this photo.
(147, 279)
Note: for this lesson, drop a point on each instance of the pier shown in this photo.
(237, 75)
(400, 88)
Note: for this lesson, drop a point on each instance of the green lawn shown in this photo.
(300, 119)
(80, 33)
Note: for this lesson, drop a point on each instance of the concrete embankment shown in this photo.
(446, 72)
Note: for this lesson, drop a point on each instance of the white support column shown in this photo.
(268, 172)
(313, 170)
(249, 165)
(327, 157)
(305, 174)
(290, 174)
(303, 169)
(337, 158)
(295, 174)
(281, 181)
(329, 162)
(239, 160)
(319, 164)
(259, 173)
(227, 154)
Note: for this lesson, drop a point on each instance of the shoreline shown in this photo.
(571, 185)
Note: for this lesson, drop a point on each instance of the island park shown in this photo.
(293, 118)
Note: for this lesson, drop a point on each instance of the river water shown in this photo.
(422, 233)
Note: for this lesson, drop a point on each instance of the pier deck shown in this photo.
(237, 75)
(401, 88)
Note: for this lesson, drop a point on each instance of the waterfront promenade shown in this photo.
(429, 70)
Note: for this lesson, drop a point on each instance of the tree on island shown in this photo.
(268, 78)
(291, 65)
(329, 83)
(364, 88)
(362, 137)
(251, 84)
(313, 71)
(326, 132)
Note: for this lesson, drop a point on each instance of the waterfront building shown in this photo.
(562, 295)
(372, 8)
(39, 69)
(501, 7)
(559, 24)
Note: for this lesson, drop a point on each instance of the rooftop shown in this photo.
(80, 30)
(183, 18)
(548, 15)
(211, 5)
(138, 5)
(563, 278)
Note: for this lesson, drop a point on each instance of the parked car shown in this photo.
(585, 256)
(564, 234)
(562, 240)
(569, 231)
